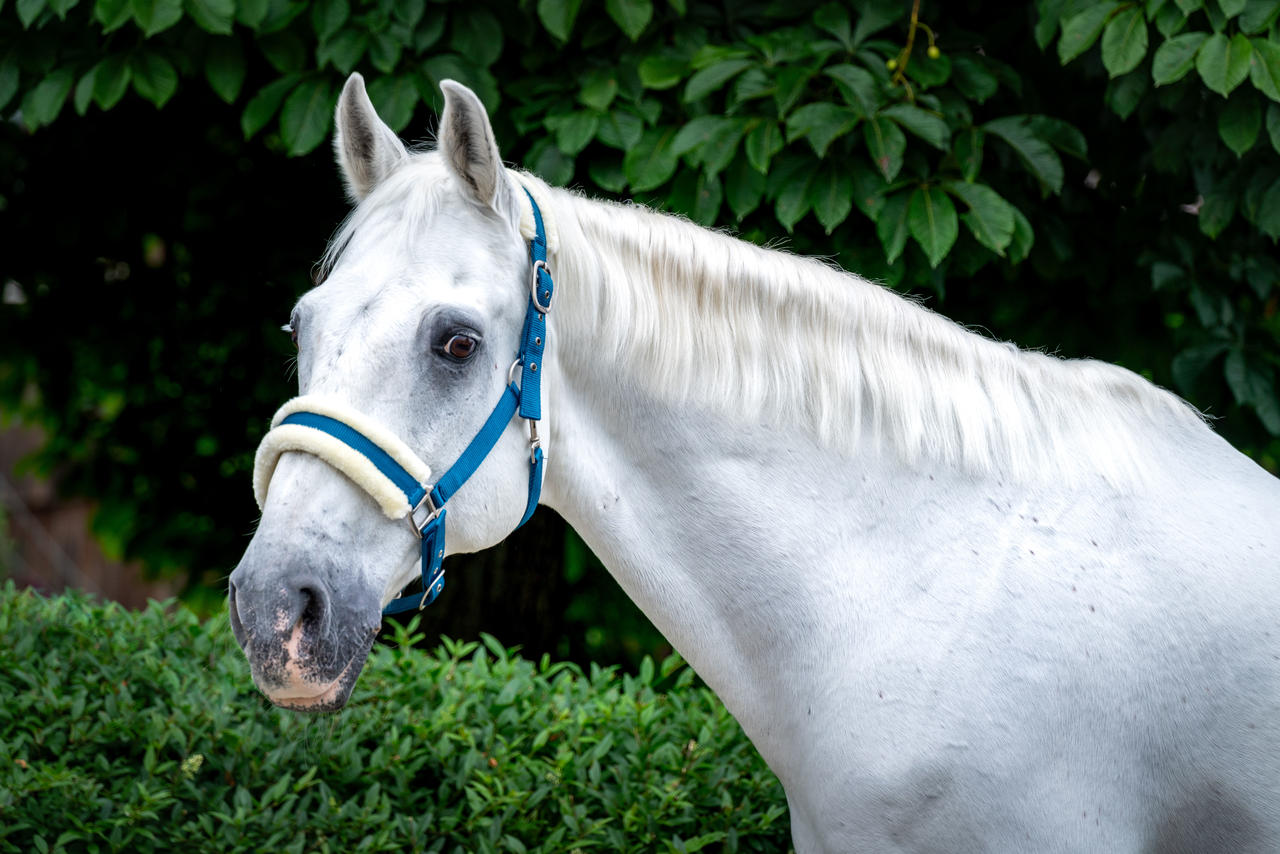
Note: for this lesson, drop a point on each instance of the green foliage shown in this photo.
(142, 730)
(1231, 282)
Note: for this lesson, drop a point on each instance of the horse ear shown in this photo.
(470, 152)
(367, 149)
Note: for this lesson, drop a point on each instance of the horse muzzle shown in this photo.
(305, 649)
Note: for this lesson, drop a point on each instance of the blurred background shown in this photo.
(1094, 179)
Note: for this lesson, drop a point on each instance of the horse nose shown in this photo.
(298, 601)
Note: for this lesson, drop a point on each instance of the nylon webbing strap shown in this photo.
(357, 441)
(534, 339)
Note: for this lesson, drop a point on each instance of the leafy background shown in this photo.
(1093, 178)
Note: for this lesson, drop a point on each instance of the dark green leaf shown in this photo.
(1170, 20)
(1273, 125)
(155, 16)
(891, 226)
(1264, 68)
(608, 175)
(711, 78)
(1269, 212)
(395, 99)
(305, 116)
(59, 7)
(662, 71)
(1124, 94)
(263, 105)
(344, 50)
(1081, 30)
(29, 10)
(252, 13)
(743, 186)
(973, 79)
(224, 68)
(886, 145)
(793, 199)
(9, 79)
(868, 189)
(790, 84)
(1240, 121)
(111, 80)
(927, 71)
(650, 163)
(1217, 210)
(695, 133)
(476, 34)
(384, 52)
(328, 16)
(858, 87)
(557, 16)
(834, 19)
(1236, 373)
(931, 217)
(764, 141)
(410, 12)
(822, 123)
(990, 218)
(1189, 6)
(154, 77)
(1191, 363)
(1176, 57)
(1224, 63)
(284, 50)
(631, 16)
(1062, 135)
(574, 130)
(213, 16)
(874, 16)
(832, 195)
(112, 14)
(84, 91)
(1047, 21)
(719, 150)
(1035, 154)
(1124, 42)
(42, 104)
(708, 194)
(1023, 238)
(430, 31)
(1231, 8)
(928, 126)
(620, 129)
(547, 160)
(599, 87)
(1164, 275)
(1259, 15)
(968, 152)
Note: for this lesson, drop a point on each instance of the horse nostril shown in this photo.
(314, 603)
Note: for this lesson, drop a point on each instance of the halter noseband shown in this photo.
(393, 475)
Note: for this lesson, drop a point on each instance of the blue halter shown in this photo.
(428, 513)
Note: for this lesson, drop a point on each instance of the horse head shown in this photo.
(413, 332)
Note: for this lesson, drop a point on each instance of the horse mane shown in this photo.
(716, 322)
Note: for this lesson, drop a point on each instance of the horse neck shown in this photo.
(753, 547)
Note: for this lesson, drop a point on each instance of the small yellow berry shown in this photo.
(933, 51)
(891, 64)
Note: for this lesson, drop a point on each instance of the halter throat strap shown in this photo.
(378, 462)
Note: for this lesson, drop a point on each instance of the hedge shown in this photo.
(143, 730)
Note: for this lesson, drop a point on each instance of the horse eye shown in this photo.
(460, 346)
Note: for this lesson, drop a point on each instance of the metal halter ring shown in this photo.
(533, 286)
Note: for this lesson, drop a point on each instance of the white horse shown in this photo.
(961, 597)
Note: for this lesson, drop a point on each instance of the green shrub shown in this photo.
(143, 730)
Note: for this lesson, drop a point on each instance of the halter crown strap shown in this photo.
(386, 469)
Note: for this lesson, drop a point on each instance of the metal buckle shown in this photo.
(534, 442)
(413, 514)
(533, 287)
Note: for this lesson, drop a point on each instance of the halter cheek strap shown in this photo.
(377, 461)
